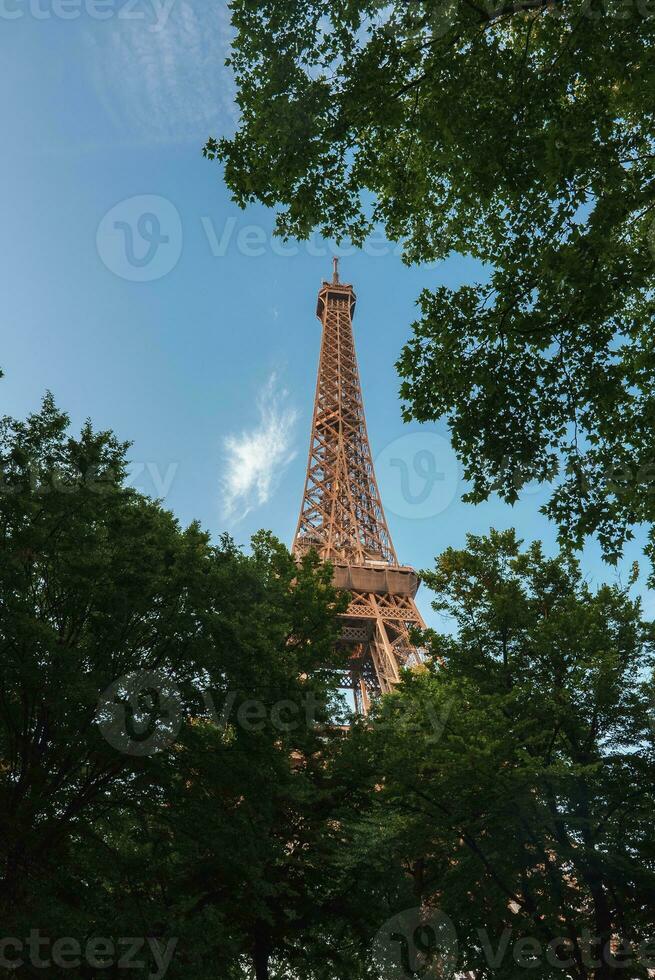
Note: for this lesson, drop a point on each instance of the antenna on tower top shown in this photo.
(335, 269)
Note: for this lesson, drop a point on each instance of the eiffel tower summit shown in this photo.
(341, 516)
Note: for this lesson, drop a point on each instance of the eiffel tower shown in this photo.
(341, 515)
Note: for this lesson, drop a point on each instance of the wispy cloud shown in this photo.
(256, 458)
(161, 77)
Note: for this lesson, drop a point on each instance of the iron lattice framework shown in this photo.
(342, 516)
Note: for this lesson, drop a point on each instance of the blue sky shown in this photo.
(143, 298)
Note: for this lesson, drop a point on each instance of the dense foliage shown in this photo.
(165, 769)
(518, 133)
(518, 778)
(170, 770)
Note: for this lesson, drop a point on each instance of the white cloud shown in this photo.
(256, 458)
(161, 76)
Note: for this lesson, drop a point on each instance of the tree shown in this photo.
(520, 134)
(520, 773)
(165, 764)
(250, 840)
(95, 581)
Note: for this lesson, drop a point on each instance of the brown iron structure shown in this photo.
(342, 518)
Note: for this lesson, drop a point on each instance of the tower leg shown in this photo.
(384, 661)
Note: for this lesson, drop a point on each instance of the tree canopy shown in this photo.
(517, 775)
(165, 766)
(169, 768)
(517, 133)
